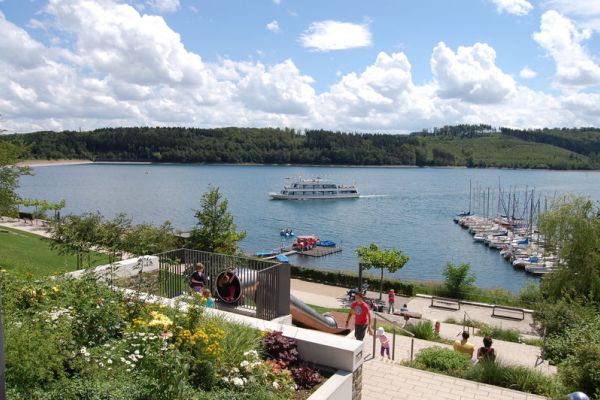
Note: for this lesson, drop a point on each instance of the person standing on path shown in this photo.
(385, 342)
(464, 346)
(362, 317)
(391, 301)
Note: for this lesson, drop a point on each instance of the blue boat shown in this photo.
(326, 243)
(282, 259)
(286, 232)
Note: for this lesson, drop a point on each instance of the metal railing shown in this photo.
(262, 287)
(396, 326)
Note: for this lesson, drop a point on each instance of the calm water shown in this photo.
(405, 208)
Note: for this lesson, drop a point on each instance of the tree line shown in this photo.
(566, 148)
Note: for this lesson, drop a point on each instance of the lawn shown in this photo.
(24, 253)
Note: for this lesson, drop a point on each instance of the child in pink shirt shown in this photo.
(384, 340)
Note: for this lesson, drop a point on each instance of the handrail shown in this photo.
(394, 323)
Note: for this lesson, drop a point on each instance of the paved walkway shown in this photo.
(36, 227)
(386, 380)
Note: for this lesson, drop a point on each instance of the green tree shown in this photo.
(146, 239)
(457, 279)
(10, 154)
(215, 229)
(78, 235)
(390, 260)
(572, 231)
(112, 235)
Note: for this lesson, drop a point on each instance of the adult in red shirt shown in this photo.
(362, 317)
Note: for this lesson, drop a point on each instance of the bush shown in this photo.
(514, 377)
(423, 330)
(306, 377)
(581, 371)
(281, 349)
(508, 335)
(350, 280)
(442, 360)
(531, 293)
(457, 280)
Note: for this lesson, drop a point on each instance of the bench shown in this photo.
(445, 303)
(508, 312)
(408, 315)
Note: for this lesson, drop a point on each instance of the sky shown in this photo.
(352, 65)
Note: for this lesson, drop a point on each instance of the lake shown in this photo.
(405, 208)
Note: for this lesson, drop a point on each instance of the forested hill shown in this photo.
(461, 145)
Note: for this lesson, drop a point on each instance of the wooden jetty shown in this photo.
(287, 253)
(320, 251)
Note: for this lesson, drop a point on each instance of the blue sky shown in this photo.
(389, 66)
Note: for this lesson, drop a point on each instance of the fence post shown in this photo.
(412, 347)
(394, 345)
(283, 289)
(374, 338)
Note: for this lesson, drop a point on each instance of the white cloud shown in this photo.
(273, 26)
(164, 6)
(470, 74)
(277, 89)
(516, 7)
(585, 12)
(527, 73)
(563, 41)
(277, 2)
(335, 35)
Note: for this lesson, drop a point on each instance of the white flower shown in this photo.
(137, 352)
(123, 360)
(275, 385)
(109, 361)
(244, 364)
(225, 379)
(127, 362)
(238, 382)
(101, 365)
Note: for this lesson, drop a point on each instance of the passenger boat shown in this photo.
(315, 189)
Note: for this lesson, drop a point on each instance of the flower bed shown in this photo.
(78, 339)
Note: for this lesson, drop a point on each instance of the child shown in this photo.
(198, 279)
(210, 302)
(385, 342)
(486, 352)
(391, 301)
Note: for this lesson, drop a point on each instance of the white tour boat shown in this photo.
(315, 189)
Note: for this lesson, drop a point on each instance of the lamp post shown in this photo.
(2, 370)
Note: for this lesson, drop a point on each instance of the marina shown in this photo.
(513, 230)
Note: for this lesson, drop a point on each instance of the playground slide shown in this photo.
(305, 316)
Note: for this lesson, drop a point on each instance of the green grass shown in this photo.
(24, 253)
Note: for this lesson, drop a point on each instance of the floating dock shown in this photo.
(320, 251)
(287, 253)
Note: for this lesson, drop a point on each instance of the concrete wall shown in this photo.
(337, 387)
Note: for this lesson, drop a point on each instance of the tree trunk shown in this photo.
(381, 284)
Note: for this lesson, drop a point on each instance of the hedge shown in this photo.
(350, 280)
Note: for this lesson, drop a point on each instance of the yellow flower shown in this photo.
(55, 289)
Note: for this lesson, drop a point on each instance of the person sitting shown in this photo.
(486, 352)
(198, 279)
(464, 346)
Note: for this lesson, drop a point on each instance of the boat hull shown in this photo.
(279, 196)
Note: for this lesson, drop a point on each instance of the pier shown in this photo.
(320, 251)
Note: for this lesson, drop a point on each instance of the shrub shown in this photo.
(457, 280)
(508, 335)
(423, 330)
(581, 371)
(306, 377)
(442, 360)
(514, 377)
(280, 349)
(530, 293)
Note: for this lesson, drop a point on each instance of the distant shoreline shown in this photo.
(53, 163)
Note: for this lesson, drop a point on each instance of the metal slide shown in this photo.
(303, 315)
